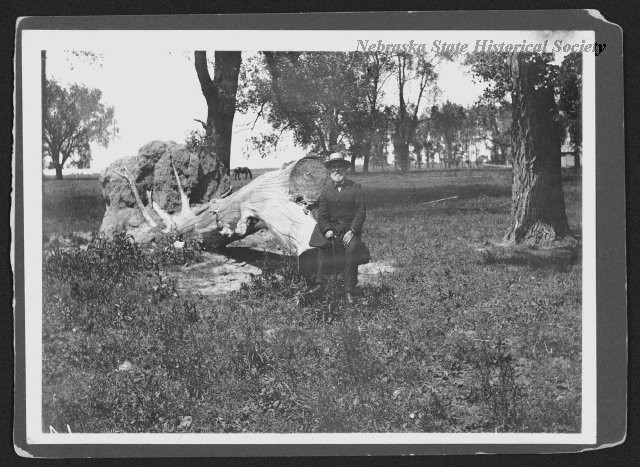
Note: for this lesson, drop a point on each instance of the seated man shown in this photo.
(341, 214)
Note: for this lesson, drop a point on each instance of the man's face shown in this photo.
(337, 173)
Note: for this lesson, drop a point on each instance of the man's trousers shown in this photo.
(345, 262)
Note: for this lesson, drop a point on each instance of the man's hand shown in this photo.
(329, 234)
(346, 238)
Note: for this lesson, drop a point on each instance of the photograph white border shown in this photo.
(33, 41)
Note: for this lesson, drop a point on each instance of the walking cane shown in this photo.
(335, 272)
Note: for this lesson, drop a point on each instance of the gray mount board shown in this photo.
(610, 226)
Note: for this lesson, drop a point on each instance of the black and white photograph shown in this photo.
(281, 236)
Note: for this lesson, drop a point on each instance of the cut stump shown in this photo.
(279, 201)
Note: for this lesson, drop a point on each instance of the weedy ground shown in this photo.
(455, 340)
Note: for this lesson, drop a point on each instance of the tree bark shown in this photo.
(220, 95)
(279, 201)
(57, 160)
(538, 213)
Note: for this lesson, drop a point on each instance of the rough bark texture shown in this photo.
(152, 194)
(152, 172)
(538, 209)
(220, 94)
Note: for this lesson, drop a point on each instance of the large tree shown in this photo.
(307, 93)
(418, 68)
(538, 212)
(448, 123)
(73, 119)
(364, 118)
(329, 101)
(220, 95)
(427, 140)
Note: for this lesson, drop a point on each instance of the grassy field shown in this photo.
(454, 341)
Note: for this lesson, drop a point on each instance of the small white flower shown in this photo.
(178, 244)
(269, 335)
(185, 422)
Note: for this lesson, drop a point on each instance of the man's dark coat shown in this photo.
(339, 211)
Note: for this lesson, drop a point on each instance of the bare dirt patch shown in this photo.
(374, 273)
(215, 275)
(218, 274)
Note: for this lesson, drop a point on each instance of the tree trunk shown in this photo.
(538, 209)
(401, 138)
(373, 144)
(494, 151)
(220, 94)
(278, 201)
(354, 156)
(576, 159)
(417, 149)
(366, 155)
(401, 152)
(58, 167)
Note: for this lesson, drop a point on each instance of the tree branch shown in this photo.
(258, 116)
(202, 70)
(423, 84)
(127, 176)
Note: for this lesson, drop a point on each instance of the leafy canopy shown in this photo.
(74, 118)
(449, 123)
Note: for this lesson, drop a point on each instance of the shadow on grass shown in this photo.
(557, 259)
(252, 256)
(305, 265)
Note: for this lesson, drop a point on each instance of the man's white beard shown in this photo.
(337, 178)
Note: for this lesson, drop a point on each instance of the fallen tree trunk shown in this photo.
(279, 201)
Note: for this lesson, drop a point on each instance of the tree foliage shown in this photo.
(74, 118)
(426, 139)
(310, 93)
(329, 100)
(566, 80)
(419, 68)
(365, 120)
(335, 100)
(449, 123)
(492, 123)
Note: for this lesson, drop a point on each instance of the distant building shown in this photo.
(479, 151)
(567, 150)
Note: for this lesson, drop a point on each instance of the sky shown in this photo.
(156, 95)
